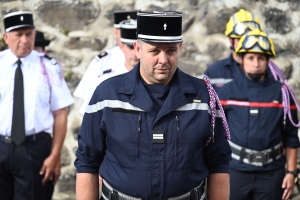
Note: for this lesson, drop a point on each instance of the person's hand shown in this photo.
(48, 169)
(288, 186)
(57, 172)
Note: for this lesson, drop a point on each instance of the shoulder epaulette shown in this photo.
(52, 60)
(48, 57)
(102, 54)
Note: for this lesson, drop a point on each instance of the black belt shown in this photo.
(108, 193)
(256, 158)
(29, 138)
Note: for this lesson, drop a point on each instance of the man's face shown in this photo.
(158, 61)
(255, 63)
(20, 41)
(130, 56)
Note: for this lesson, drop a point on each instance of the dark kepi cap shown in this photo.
(128, 31)
(121, 15)
(18, 19)
(40, 40)
(159, 27)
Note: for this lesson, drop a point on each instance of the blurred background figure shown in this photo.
(116, 59)
(225, 70)
(40, 42)
(264, 140)
(108, 65)
(34, 100)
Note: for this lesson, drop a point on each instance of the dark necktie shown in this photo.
(18, 118)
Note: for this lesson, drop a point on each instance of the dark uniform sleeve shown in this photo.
(217, 153)
(91, 139)
(290, 136)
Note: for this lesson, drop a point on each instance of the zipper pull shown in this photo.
(177, 123)
(139, 123)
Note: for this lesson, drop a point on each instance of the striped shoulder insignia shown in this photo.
(102, 54)
(106, 71)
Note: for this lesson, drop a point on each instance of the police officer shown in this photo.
(107, 65)
(33, 104)
(116, 59)
(154, 132)
(224, 71)
(256, 107)
(40, 42)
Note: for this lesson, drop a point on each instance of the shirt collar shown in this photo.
(12, 58)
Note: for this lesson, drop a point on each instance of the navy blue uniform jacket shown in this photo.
(222, 72)
(262, 130)
(116, 134)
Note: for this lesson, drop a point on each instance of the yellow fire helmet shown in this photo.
(240, 23)
(256, 41)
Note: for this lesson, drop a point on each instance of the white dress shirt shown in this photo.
(45, 91)
(99, 70)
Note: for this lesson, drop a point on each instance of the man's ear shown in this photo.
(5, 37)
(137, 48)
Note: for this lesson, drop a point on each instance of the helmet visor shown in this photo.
(243, 27)
(262, 41)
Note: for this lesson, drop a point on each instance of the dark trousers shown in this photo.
(256, 185)
(20, 167)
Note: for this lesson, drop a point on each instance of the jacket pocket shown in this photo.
(188, 142)
(123, 137)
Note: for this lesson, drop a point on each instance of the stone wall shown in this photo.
(81, 29)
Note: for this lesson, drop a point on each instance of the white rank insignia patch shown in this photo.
(21, 18)
(128, 17)
(165, 26)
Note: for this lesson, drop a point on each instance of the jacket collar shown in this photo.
(231, 62)
(132, 85)
(248, 82)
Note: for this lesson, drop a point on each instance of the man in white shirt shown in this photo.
(108, 64)
(114, 61)
(33, 105)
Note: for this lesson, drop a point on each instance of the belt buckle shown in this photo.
(7, 140)
(261, 157)
(113, 195)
